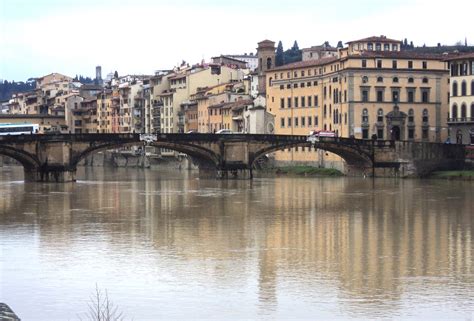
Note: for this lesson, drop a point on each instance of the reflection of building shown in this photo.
(461, 111)
(372, 88)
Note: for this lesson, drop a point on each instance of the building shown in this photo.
(372, 88)
(317, 52)
(266, 61)
(229, 62)
(177, 87)
(250, 59)
(461, 111)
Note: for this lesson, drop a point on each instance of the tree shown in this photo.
(116, 74)
(100, 308)
(279, 56)
(339, 44)
(295, 47)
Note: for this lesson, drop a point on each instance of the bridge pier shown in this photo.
(234, 174)
(50, 174)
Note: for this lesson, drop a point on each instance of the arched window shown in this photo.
(425, 80)
(455, 89)
(424, 118)
(365, 115)
(472, 112)
(463, 88)
(410, 80)
(270, 81)
(463, 111)
(379, 79)
(395, 79)
(269, 63)
(454, 111)
(411, 115)
(472, 90)
(380, 115)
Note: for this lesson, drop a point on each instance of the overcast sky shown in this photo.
(38, 37)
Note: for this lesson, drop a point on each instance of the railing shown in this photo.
(461, 120)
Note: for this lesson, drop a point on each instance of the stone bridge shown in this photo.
(47, 158)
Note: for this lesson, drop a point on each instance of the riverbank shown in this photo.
(301, 170)
(467, 175)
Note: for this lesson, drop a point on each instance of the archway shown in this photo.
(395, 133)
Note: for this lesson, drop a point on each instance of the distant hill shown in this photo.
(7, 88)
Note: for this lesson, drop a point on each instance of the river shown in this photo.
(167, 245)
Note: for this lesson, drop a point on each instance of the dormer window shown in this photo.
(370, 46)
(378, 47)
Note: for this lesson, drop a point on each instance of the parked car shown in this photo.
(224, 131)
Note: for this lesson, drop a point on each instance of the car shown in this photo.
(224, 131)
(190, 132)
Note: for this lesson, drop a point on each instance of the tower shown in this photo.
(266, 61)
(98, 75)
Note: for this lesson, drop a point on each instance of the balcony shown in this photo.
(461, 120)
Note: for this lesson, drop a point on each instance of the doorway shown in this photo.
(395, 134)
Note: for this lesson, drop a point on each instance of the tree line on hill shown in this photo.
(8, 88)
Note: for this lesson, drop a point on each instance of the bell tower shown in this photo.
(266, 61)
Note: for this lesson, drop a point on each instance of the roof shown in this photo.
(459, 56)
(375, 39)
(178, 76)
(398, 54)
(230, 58)
(307, 63)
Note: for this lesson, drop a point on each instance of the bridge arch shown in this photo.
(203, 154)
(351, 153)
(26, 159)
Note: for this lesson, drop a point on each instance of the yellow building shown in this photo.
(461, 112)
(372, 88)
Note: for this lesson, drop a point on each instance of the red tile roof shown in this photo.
(459, 56)
(375, 39)
(399, 54)
(307, 63)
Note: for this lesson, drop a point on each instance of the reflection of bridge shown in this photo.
(55, 157)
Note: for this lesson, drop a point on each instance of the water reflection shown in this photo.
(268, 248)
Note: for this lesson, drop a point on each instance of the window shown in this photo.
(296, 102)
(424, 133)
(379, 63)
(425, 96)
(463, 88)
(411, 133)
(394, 64)
(324, 111)
(365, 116)
(310, 101)
(380, 115)
(282, 102)
(379, 95)
(289, 121)
(454, 111)
(303, 101)
(308, 84)
(289, 104)
(386, 47)
(303, 120)
(296, 121)
(378, 47)
(370, 46)
(410, 80)
(365, 79)
(365, 95)
(316, 122)
(425, 80)
(472, 90)
(463, 111)
(282, 122)
(295, 85)
(379, 79)
(424, 117)
(302, 85)
(310, 123)
(288, 86)
(302, 73)
(282, 87)
(365, 133)
(379, 133)
(411, 96)
(364, 63)
(455, 89)
(395, 96)
(411, 116)
(316, 101)
(395, 79)
(394, 47)
(410, 64)
(424, 64)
